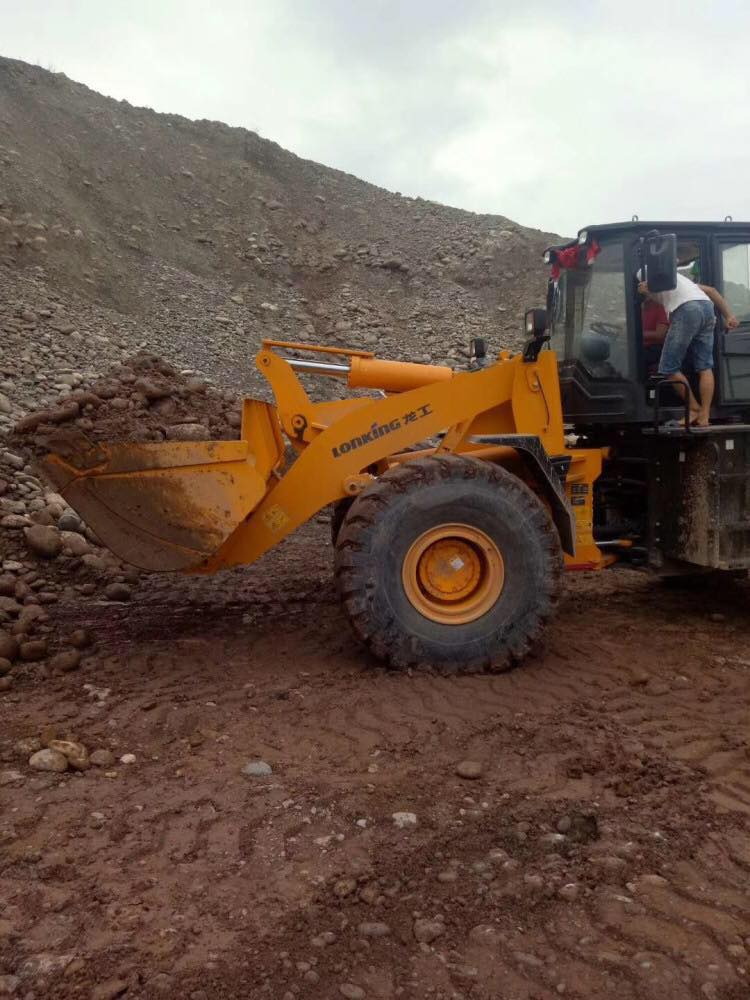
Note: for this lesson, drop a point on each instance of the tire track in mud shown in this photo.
(616, 719)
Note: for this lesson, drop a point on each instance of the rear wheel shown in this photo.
(448, 562)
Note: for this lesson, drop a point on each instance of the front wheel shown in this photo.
(448, 562)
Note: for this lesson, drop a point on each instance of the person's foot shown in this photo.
(695, 417)
(701, 420)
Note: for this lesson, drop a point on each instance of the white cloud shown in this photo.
(557, 115)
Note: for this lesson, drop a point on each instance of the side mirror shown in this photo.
(535, 325)
(535, 322)
(659, 255)
(478, 349)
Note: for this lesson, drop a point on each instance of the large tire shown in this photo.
(483, 510)
(339, 512)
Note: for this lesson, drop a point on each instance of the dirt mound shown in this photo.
(145, 399)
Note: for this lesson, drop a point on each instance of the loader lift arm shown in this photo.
(343, 439)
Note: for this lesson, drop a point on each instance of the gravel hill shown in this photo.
(195, 240)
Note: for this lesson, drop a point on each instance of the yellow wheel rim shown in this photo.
(453, 574)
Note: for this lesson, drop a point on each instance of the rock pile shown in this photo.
(144, 399)
(197, 240)
(47, 554)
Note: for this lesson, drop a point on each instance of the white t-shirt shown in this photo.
(684, 291)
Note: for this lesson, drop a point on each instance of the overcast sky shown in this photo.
(555, 114)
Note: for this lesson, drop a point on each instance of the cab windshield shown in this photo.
(589, 316)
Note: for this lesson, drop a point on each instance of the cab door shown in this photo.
(732, 278)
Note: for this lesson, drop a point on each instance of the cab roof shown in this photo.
(635, 226)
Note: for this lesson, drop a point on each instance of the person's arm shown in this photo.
(730, 320)
(655, 338)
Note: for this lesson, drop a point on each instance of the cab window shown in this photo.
(735, 271)
(589, 315)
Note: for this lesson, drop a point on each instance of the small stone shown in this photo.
(569, 891)
(110, 990)
(44, 540)
(404, 820)
(257, 769)
(553, 839)
(656, 687)
(14, 461)
(8, 647)
(470, 770)
(449, 875)
(188, 432)
(8, 985)
(323, 940)
(351, 992)
(70, 521)
(524, 958)
(128, 758)
(150, 389)
(118, 592)
(80, 639)
(33, 649)
(426, 931)
(48, 760)
(27, 745)
(486, 934)
(74, 544)
(102, 758)
(10, 777)
(373, 929)
(76, 753)
(344, 887)
(681, 683)
(6, 683)
(651, 879)
(69, 659)
(638, 677)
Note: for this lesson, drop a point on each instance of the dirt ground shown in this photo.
(603, 851)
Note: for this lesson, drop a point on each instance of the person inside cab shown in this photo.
(654, 323)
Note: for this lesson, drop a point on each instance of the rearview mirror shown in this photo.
(659, 254)
(535, 322)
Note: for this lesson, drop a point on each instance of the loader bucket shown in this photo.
(163, 506)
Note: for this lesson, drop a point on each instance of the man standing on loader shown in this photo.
(691, 331)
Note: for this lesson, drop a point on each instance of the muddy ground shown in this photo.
(603, 851)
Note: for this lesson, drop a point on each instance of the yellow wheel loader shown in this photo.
(458, 496)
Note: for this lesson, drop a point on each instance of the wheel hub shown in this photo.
(453, 573)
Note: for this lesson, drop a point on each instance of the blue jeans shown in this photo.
(691, 332)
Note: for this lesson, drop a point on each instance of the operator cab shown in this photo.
(594, 318)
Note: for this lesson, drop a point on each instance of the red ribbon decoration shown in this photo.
(575, 256)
